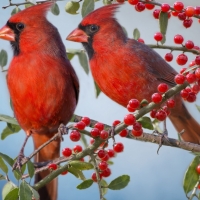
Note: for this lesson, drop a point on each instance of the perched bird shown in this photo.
(125, 69)
(42, 83)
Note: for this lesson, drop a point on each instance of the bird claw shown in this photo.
(111, 132)
(19, 162)
(163, 136)
(62, 130)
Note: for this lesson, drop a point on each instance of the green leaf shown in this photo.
(10, 129)
(18, 174)
(146, 122)
(31, 168)
(163, 22)
(35, 193)
(3, 166)
(105, 186)
(81, 165)
(8, 187)
(76, 172)
(83, 140)
(136, 34)
(3, 58)
(15, 10)
(55, 9)
(70, 56)
(12, 195)
(119, 183)
(107, 2)
(8, 119)
(97, 89)
(191, 176)
(25, 192)
(198, 108)
(9, 160)
(87, 7)
(72, 7)
(29, 5)
(110, 162)
(85, 184)
(2, 177)
(83, 61)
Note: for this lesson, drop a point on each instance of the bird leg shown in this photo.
(18, 162)
(62, 130)
(111, 132)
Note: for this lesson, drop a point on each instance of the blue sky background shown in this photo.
(152, 176)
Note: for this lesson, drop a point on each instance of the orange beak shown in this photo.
(77, 35)
(7, 34)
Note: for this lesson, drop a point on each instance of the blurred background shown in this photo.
(153, 176)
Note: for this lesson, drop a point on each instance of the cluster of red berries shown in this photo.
(162, 113)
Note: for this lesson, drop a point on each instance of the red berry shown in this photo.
(178, 6)
(92, 140)
(196, 48)
(197, 73)
(166, 109)
(195, 88)
(187, 23)
(118, 147)
(140, 40)
(64, 173)
(184, 93)
(103, 165)
(137, 126)
(191, 78)
(197, 60)
(86, 120)
(139, 6)
(130, 109)
(102, 153)
(123, 133)
(169, 15)
(161, 115)
(182, 16)
(183, 71)
(149, 6)
(134, 103)
(116, 122)
(99, 125)
(156, 13)
(95, 132)
(174, 13)
(75, 135)
(192, 63)
(106, 172)
(77, 149)
(182, 59)
(52, 166)
(111, 153)
(178, 39)
(104, 135)
(171, 103)
(94, 177)
(156, 97)
(189, 44)
(158, 36)
(137, 133)
(179, 79)
(129, 119)
(162, 87)
(120, 1)
(153, 113)
(191, 97)
(188, 89)
(169, 57)
(165, 7)
(105, 158)
(66, 152)
(198, 169)
(133, 2)
(80, 125)
(189, 11)
(197, 10)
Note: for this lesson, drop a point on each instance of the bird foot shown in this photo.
(19, 161)
(62, 130)
(111, 132)
(163, 136)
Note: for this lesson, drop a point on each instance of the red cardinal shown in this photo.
(124, 68)
(42, 83)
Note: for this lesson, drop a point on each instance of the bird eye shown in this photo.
(20, 26)
(94, 28)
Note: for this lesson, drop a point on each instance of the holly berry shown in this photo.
(118, 147)
(120, 1)
(192, 63)
(86, 120)
(137, 133)
(191, 97)
(149, 6)
(153, 113)
(111, 153)
(95, 132)
(137, 126)
(80, 125)
(178, 6)
(129, 119)
(191, 78)
(94, 177)
(195, 88)
(66, 152)
(123, 133)
(116, 122)
(178, 39)
(182, 59)
(92, 140)
(133, 2)
(187, 23)
(75, 135)
(129, 108)
(99, 125)
(158, 36)
(64, 173)
(184, 93)
(52, 166)
(171, 103)
(140, 40)
(103, 165)
(102, 153)
(104, 135)
(105, 158)
(189, 44)
(156, 97)
(161, 115)
(77, 149)
(182, 16)
(168, 57)
(197, 10)
(106, 172)
(189, 11)
(179, 79)
(174, 13)
(197, 73)
(162, 87)
(197, 60)
(140, 6)
(134, 103)
(165, 7)
(156, 13)
(166, 109)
